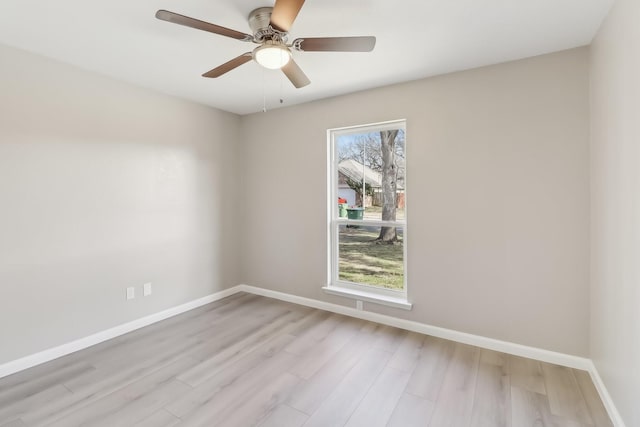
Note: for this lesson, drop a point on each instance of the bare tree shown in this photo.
(367, 147)
(389, 184)
(383, 152)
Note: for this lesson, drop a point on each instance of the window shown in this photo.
(367, 213)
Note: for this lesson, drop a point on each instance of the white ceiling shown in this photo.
(415, 39)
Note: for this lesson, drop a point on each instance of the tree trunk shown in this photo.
(389, 185)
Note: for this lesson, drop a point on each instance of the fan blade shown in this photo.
(335, 44)
(295, 74)
(284, 13)
(228, 66)
(175, 18)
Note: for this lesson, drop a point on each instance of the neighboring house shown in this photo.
(352, 170)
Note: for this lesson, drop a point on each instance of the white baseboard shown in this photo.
(542, 355)
(615, 416)
(82, 343)
(462, 337)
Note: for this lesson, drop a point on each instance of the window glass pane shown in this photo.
(366, 260)
(371, 164)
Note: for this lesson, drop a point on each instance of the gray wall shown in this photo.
(104, 186)
(498, 198)
(615, 230)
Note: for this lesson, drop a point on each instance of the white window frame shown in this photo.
(359, 291)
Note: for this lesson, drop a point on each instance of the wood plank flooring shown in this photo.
(254, 361)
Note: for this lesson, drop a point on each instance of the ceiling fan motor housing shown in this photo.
(259, 21)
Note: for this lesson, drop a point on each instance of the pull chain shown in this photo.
(264, 94)
(281, 99)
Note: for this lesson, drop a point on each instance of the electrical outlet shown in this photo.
(131, 292)
(359, 305)
(146, 289)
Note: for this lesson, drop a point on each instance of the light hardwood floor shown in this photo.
(249, 360)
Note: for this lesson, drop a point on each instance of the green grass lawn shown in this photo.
(367, 262)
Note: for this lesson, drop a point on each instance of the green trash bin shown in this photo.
(342, 210)
(355, 213)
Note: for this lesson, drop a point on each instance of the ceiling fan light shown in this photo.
(272, 56)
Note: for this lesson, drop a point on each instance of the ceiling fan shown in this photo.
(270, 26)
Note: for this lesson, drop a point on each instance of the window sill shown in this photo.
(369, 297)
